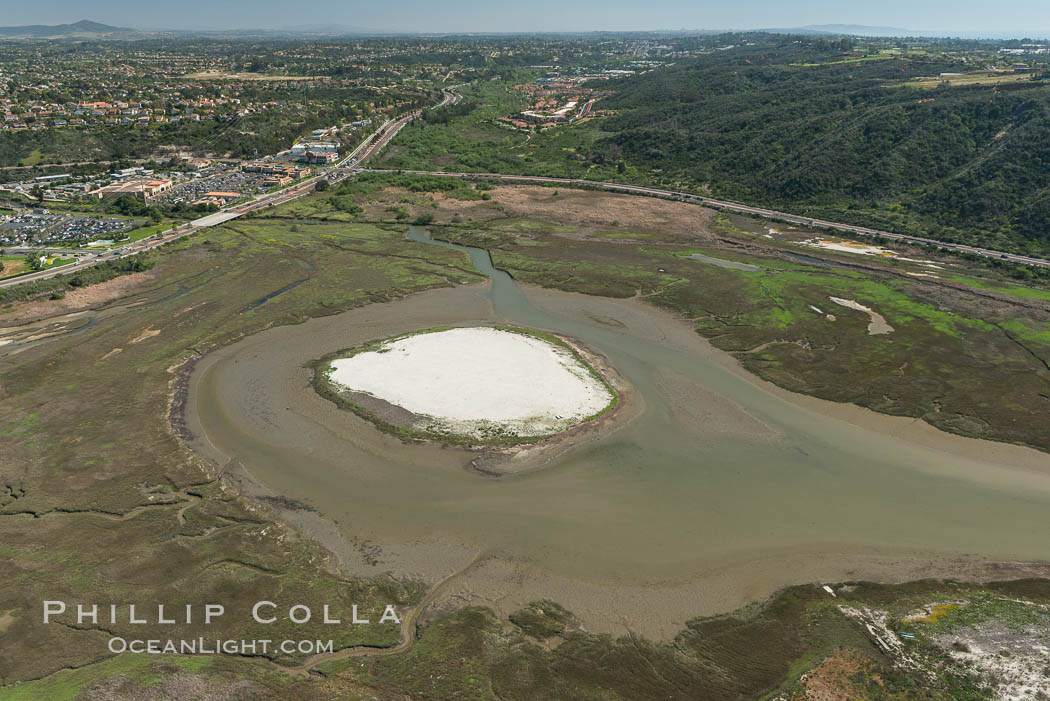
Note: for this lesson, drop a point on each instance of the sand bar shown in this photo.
(878, 324)
(465, 376)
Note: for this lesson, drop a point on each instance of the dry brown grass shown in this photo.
(76, 299)
(12, 268)
(587, 212)
(833, 680)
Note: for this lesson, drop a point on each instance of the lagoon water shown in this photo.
(720, 489)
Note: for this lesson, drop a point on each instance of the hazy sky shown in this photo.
(535, 15)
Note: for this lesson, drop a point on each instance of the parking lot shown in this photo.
(48, 228)
(233, 181)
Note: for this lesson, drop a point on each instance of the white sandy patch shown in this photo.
(866, 249)
(923, 263)
(877, 325)
(1010, 659)
(474, 380)
(851, 247)
(1017, 677)
(148, 332)
(6, 619)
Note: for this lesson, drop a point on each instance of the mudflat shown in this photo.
(719, 490)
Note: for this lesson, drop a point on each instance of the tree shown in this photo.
(322, 186)
(38, 193)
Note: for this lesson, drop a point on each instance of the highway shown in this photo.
(383, 135)
(341, 170)
(736, 207)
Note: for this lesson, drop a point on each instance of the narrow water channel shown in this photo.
(820, 477)
(717, 469)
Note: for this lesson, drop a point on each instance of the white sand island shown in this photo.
(477, 382)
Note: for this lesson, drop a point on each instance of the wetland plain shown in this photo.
(705, 492)
(719, 489)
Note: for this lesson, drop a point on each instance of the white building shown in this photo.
(315, 147)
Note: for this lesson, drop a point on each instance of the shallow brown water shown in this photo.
(721, 489)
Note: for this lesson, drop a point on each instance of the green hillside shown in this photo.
(857, 140)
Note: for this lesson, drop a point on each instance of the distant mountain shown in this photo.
(337, 30)
(82, 29)
(868, 31)
(1033, 34)
(838, 29)
(861, 30)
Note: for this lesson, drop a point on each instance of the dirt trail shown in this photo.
(408, 629)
